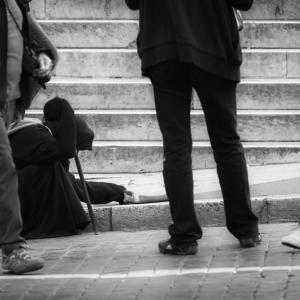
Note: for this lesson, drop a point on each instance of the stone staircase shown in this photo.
(99, 73)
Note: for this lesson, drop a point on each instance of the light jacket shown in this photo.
(29, 86)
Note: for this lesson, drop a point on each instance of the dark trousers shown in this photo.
(172, 84)
(10, 213)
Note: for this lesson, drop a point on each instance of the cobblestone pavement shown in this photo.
(128, 266)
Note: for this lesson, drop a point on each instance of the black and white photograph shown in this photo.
(150, 149)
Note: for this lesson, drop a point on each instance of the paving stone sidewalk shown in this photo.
(128, 266)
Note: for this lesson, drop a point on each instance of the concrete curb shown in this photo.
(150, 216)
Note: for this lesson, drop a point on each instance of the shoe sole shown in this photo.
(173, 252)
(251, 245)
(290, 245)
(25, 269)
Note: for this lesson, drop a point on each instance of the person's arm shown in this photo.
(133, 4)
(3, 56)
(241, 4)
(42, 43)
(35, 145)
(47, 53)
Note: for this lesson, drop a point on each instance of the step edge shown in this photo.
(195, 144)
(126, 50)
(136, 21)
(195, 112)
(108, 81)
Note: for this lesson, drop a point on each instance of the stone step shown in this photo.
(141, 157)
(152, 216)
(116, 9)
(82, 9)
(137, 93)
(274, 189)
(271, 34)
(116, 63)
(92, 34)
(253, 125)
(274, 10)
(122, 34)
(279, 179)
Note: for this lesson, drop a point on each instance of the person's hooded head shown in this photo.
(52, 114)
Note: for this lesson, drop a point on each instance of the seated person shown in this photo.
(49, 194)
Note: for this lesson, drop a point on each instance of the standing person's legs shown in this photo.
(10, 115)
(15, 258)
(218, 98)
(172, 94)
(10, 216)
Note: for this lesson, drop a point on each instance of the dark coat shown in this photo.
(29, 86)
(49, 194)
(200, 32)
(49, 204)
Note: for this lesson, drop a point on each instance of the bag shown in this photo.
(239, 19)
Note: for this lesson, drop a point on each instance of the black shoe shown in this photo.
(249, 242)
(166, 247)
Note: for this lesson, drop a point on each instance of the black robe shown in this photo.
(50, 195)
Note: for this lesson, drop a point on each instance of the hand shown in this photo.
(45, 69)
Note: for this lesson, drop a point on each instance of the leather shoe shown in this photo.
(166, 247)
(249, 242)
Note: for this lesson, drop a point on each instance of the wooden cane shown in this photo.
(86, 194)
